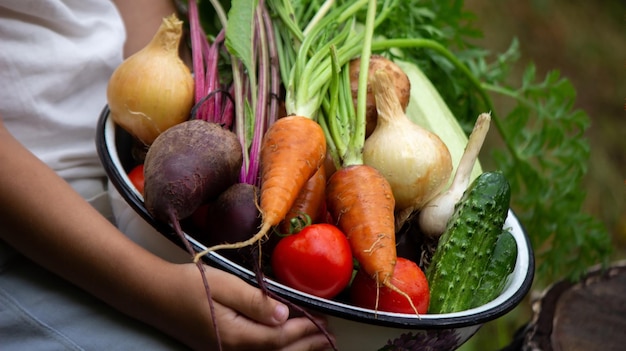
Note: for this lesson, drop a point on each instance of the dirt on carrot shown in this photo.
(361, 202)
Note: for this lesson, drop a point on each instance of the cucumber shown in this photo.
(498, 269)
(465, 248)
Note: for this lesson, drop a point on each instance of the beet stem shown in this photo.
(177, 228)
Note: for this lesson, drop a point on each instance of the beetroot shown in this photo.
(233, 217)
(188, 165)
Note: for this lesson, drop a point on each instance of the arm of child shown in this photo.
(47, 221)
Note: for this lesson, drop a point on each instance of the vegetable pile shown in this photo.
(313, 147)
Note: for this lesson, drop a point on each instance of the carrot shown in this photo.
(292, 150)
(358, 197)
(309, 206)
(360, 200)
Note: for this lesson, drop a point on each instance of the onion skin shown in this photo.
(401, 82)
(415, 161)
(153, 89)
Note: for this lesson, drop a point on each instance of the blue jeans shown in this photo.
(40, 311)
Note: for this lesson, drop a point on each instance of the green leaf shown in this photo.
(546, 166)
(240, 31)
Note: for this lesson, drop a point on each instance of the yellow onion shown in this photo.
(416, 162)
(153, 89)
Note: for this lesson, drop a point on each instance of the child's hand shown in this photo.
(246, 319)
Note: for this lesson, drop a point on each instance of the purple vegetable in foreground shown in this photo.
(233, 217)
(188, 165)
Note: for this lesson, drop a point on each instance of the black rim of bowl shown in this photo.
(321, 305)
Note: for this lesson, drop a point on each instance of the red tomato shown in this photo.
(136, 177)
(317, 260)
(407, 277)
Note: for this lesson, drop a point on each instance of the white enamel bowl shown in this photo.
(356, 328)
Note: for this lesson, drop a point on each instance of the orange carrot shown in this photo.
(311, 203)
(292, 150)
(360, 200)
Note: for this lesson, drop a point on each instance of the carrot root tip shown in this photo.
(405, 295)
(258, 236)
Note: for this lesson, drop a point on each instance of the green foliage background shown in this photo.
(584, 40)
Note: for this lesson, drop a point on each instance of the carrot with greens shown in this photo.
(279, 156)
(360, 200)
(292, 150)
(294, 147)
(318, 74)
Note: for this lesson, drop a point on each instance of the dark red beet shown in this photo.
(233, 217)
(187, 165)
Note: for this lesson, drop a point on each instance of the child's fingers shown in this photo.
(246, 299)
(295, 334)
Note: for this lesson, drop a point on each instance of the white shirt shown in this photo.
(55, 60)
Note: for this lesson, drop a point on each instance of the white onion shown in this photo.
(415, 161)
